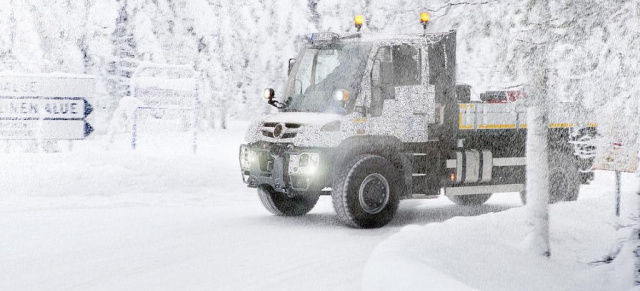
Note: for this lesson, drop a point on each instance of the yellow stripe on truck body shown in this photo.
(481, 116)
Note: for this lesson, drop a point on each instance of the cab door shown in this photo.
(400, 102)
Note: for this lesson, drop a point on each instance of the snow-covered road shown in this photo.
(117, 220)
(187, 241)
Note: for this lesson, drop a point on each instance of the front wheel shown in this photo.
(365, 192)
(476, 199)
(280, 204)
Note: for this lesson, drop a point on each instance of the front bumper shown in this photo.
(271, 164)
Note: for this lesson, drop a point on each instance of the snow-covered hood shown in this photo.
(304, 118)
(300, 128)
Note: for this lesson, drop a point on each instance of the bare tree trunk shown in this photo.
(313, 11)
(635, 238)
(223, 116)
(635, 235)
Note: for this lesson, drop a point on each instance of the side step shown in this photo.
(484, 189)
(421, 182)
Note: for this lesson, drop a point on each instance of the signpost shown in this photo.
(618, 153)
(618, 157)
(164, 89)
(47, 107)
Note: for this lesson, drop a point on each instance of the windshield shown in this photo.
(321, 72)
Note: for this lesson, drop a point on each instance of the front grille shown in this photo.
(289, 135)
(280, 130)
(293, 125)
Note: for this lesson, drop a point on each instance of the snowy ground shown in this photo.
(164, 219)
(487, 252)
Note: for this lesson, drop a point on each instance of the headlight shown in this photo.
(247, 156)
(304, 164)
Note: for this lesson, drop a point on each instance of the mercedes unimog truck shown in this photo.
(372, 120)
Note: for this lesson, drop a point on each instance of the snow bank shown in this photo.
(486, 252)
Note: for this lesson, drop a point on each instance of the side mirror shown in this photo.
(463, 93)
(269, 94)
(292, 62)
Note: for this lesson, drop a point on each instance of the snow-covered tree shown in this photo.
(124, 61)
(243, 46)
(25, 53)
(7, 60)
(148, 46)
(537, 149)
(64, 42)
(99, 47)
(337, 16)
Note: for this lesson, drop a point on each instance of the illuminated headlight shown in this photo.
(304, 164)
(247, 156)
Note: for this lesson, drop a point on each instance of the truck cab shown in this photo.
(371, 120)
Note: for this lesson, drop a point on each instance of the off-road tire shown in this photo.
(468, 200)
(563, 174)
(347, 185)
(282, 205)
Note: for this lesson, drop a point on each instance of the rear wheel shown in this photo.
(365, 192)
(564, 179)
(280, 204)
(477, 199)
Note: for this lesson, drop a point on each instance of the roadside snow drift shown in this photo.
(486, 252)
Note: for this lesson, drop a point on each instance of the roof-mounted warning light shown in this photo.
(359, 21)
(424, 19)
(324, 38)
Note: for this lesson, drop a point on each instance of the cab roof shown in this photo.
(327, 38)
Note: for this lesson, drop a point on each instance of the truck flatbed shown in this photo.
(492, 116)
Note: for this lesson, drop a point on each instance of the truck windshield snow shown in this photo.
(323, 71)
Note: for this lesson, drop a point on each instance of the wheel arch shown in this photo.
(388, 147)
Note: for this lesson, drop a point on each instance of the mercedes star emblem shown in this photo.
(278, 130)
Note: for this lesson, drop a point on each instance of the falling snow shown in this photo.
(181, 82)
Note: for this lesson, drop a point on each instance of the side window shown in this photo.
(382, 77)
(393, 66)
(407, 65)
